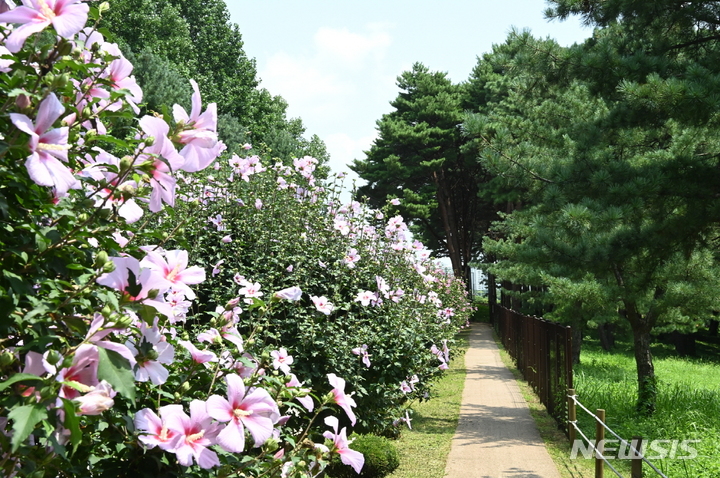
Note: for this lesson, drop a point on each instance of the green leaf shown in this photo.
(72, 423)
(115, 369)
(24, 420)
(40, 242)
(17, 283)
(19, 377)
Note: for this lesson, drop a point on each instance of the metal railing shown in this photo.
(542, 351)
(598, 445)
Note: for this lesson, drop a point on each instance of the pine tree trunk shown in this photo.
(576, 340)
(447, 217)
(647, 383)
(607, 336)
(641, 327)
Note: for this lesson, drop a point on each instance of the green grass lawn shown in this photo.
(425, 448)
(688, 406)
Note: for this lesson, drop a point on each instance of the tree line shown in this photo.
(171, 41)
(589, 174)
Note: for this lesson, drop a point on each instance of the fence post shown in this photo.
(636, 466)
(572, 415)
(599, 444)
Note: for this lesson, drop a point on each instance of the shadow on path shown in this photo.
(496, 436)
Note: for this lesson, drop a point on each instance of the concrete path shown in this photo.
(496, 437)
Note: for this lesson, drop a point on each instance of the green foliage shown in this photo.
(381, 458)
(162, 81)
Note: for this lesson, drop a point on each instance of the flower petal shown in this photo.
(232, 437)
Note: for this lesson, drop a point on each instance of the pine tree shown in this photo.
(418, 158)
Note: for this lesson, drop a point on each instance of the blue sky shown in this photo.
(335, 62)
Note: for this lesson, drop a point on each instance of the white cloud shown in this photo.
(343, 77)
(297, 79)
(345, 148)
(352, 49)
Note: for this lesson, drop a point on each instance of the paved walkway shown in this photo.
(496, 437)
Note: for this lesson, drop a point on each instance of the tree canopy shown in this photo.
(172, 41)
(419, 159)
(612, 148)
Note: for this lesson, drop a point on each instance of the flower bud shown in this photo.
(101, 259)
(82, 217)
(271, 445)
(232, 303)
(62, 80)
(106, 311)
(125, 163)
(185, 387)
(6, 358)
(122, 321)
(65, 48)
(22, 101)
(109, 267)
(127, 191)
(104, 7)
(53, 357)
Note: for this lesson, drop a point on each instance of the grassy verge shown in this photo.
(425, 448)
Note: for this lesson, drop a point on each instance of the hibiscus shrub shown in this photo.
(374, 307)
(99, 375)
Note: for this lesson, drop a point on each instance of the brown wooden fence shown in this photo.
(542, 351)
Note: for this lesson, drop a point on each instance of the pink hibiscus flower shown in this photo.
(341, 445)
(67, 17)
(199, 136)
(173, 268)
(362, 351)
(345, 402)
(254, 409)
(281, 360)
(83, 372)
(322, 304)
(198, 356)
(156, 431)
(48, 147)
(196, 434)
(306, 400)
